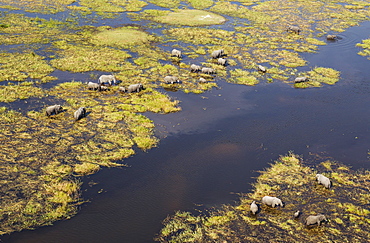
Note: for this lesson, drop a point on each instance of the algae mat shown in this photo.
(344, 204)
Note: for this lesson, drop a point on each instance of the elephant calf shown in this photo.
(261, 68)
(53, 110)
(254, 207)
(135, 88)
(301, 80)
(107, 79)
(195, 68)
(293, 28)
(272, 201)
(104, 88)
(93, 86)
(331, 37)
(321, 179)
(206, 70)
(122, 89)
(171, 80)
(202, 80)
(221, 61)
(217, 54)
(176, 53)
(310, 220)
(80, 113)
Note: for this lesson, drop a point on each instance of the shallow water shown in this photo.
(214, 147)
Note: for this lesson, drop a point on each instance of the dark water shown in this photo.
(213, 149)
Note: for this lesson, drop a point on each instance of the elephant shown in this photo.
(80, 113)
(297, 214)
(202, 80)
(122, 89)
(53, 110)
(261, 68)
(217, 54)
(254, 207)
(301, 80)
(206, 70)
(104, 88)
(135, 88)
(171, 80)
(272, 201)
(107, 79)
(176, 53)
(221, 61)
(93, 86)
(315, 219)
(321, 179)
(331, 37)
(195, 68)
(293, 28)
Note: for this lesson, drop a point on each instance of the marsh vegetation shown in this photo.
(345, 207)
(43, 157)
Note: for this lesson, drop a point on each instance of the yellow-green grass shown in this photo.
(366, 48)
(187, 17)
(295, 183)
(121, 37)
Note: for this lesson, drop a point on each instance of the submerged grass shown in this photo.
(289, 179)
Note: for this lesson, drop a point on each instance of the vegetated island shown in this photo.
(345, 206)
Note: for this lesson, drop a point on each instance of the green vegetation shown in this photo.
(22, 91)
(366, 48)
(38, 181)
(58, 148)
(20, 66)
(289, 179)
(190, 17)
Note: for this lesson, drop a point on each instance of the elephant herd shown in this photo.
(100, 86)
(56, 109)
(274, 201)
(217, 54)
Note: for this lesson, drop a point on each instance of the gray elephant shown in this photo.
(135, 88)
(293, 28)
(301, 79)
(195, 68)
(176, 53)
(272, 201)
(53, 110)
(109, 79)
(93, 86)
(222, 61)
(331, 37)
(217, 54)
(321, 179)
(171, 80)
(122, 89)
(202, 80)
(206, 70)
(261, 68)
(254, 207)
(79, 113)
(310, 220)
(104, 88)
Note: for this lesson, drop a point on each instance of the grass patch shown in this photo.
(289, 179)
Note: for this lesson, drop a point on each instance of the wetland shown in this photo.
(183, 153)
